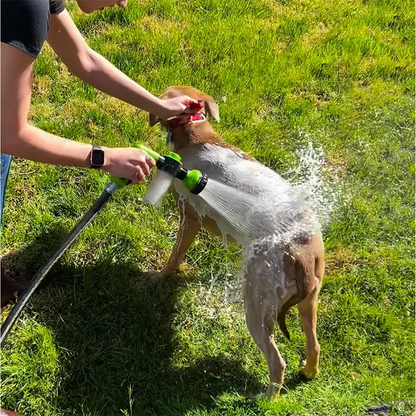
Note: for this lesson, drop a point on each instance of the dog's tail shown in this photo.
(281, 316)
(300, 262)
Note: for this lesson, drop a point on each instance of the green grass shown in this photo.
(99, 338)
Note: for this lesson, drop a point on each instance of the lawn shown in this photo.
(99, 338)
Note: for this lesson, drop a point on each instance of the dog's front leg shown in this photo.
(188, 229)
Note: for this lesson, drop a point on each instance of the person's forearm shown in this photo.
(101, 74)
(35, 144)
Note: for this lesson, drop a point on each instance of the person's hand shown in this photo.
(122, 3)
(128, 163)
(178, 106)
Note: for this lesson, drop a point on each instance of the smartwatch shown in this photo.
(97, 157)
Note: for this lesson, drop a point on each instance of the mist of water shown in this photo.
(312, 178)
(257, 216)
(272, 221)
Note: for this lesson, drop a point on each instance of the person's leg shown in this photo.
(6, 161)
(9, 287)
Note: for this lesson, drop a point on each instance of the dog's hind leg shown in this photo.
(260, 316)
(308, 312)
(189, 226)
(308, 315)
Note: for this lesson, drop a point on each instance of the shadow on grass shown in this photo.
(291, 382)
(118, 340)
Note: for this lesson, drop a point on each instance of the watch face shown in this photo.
(97, 157)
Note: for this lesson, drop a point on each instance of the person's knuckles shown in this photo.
(134, 180)
(145, 169)
(151, 162)
(139, 173)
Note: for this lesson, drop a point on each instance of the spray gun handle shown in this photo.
(120, 182)
(150, 152)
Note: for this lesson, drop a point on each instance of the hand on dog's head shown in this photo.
(210, 107)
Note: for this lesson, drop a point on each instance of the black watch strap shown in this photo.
(97, 157)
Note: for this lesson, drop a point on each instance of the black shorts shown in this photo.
(25, 23)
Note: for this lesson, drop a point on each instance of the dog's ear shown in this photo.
(153, 120)
(211, 108)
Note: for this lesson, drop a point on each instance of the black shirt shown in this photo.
(25, 23)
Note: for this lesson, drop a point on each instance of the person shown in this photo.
(25, 26)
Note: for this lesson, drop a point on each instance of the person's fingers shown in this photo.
(150, 161)
(188, 100)
(137, 176)
(145, 168)
(140, 176)
(192, 106)
(135, 180)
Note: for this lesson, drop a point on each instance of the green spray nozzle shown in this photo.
(194, 180)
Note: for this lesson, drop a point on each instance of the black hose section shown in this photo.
(39, 276)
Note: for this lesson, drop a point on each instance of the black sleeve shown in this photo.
(57, 7)
(25, 23)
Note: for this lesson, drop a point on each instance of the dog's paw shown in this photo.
(308, 371)
(257, 396)
(272, 393)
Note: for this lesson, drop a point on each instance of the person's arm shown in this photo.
(88, 65)
(19, 138)
(89, 6)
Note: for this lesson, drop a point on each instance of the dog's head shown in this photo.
(209, 109)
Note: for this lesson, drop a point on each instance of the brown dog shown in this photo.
(276, 276)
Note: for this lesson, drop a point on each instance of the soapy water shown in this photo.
(274, 210)
(283, 212)
(262, 221)
(253, 217)
(259, 220)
